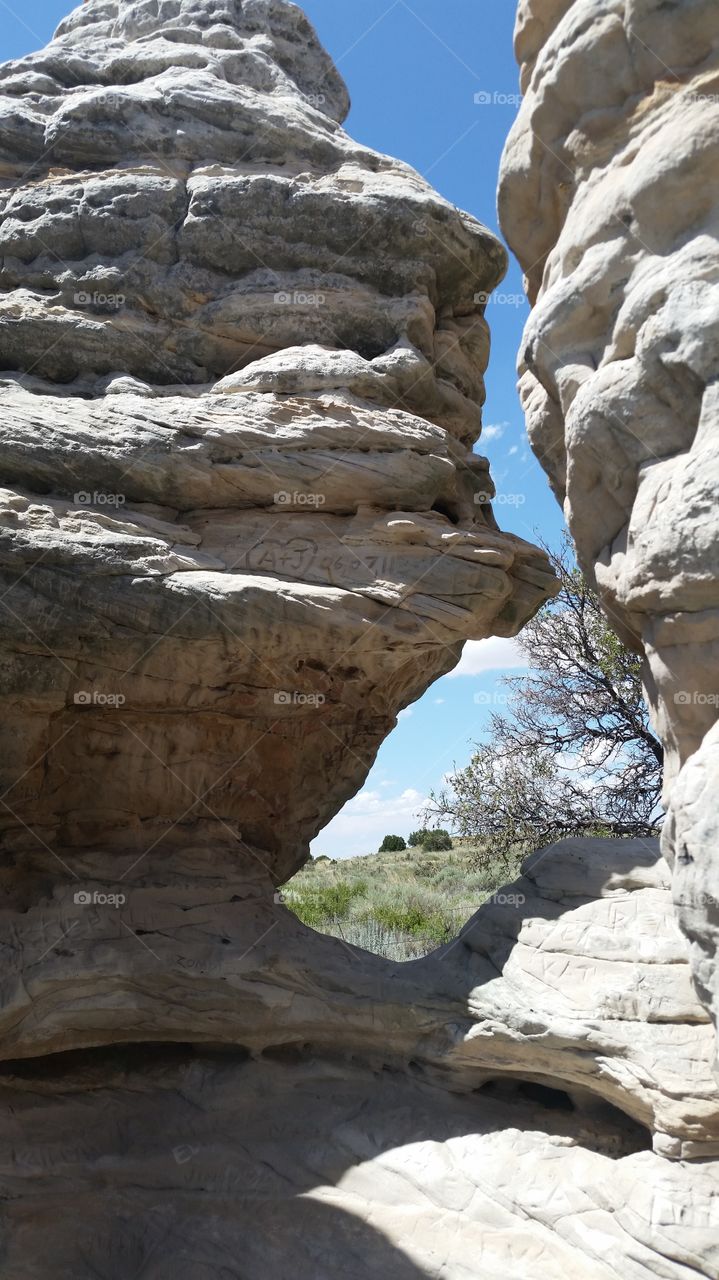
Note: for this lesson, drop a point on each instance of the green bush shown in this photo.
(437, 841)
(412, 918)
(318, 906)
(392, 844)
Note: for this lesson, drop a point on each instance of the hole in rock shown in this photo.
(401, 903)
(448, 509)
(531, 1091)
(286, 1053)
(574, 1113)
(98, 1065)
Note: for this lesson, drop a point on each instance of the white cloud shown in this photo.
(363, 823)
(495, 654)
(404, 715)
(439, 701)
(513, 450)
(493, 431)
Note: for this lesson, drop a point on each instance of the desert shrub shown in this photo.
(451, 877)
(316, 906)
(437, 841)
(413, 918)
(393, 844)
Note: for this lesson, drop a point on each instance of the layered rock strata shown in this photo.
(244, 526)
(610, 198)
(490, 1108)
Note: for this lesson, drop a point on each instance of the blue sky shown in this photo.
(413, 68)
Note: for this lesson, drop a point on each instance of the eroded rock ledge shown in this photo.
(610, 198)
(243, 526)
(321, 1107)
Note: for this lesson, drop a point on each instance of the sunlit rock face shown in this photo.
(610, 197)
(243, 526)
(242, 379)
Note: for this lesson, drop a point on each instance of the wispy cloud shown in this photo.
(366, 820)
(495, 654)
(493, 431)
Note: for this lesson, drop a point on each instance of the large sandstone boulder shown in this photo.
(486, 1113)
(243, 526)
(610, 198)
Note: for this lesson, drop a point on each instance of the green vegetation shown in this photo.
(434, 839)
(392, 844)
(401, 904)
(575, 753)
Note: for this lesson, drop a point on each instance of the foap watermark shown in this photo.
(696, 900)
(486, 699)
(111, 301)
(95, 898)
(112, 100)
(94, 698)
(315, 99)
(483, 299)
(692, 698)
(98, 498)
(185, 1153)
(496, 98)
(705, 99)
(284, 698)
(285, 499)
(300, 298)
(506, 900)
(501, 499)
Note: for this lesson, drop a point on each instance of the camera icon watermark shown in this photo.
(283, 698)
(495, 98)
(284, 499)
(110, 301)
(185, 1153)
(83, 498)
(692, 698)
(482, 498)
(300, 298)
(696, 900)
(486, 699)
(484, 299)
(94, 898)
(94, 698)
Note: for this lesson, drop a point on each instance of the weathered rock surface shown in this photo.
(242, 527)
(610, 198)
(486, 1110)
(243, 375)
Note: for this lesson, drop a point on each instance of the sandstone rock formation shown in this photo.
(242, 378)
(243, 526)
(610, 198)
(485, 1112)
